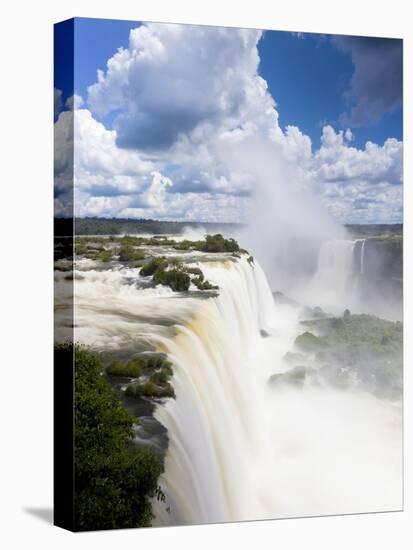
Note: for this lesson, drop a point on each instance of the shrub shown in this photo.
(115, 482)
(80, 248)
(131, 369)
(195, 271)
(174, 278)
(187, 245)
(149, 389)
(128, 240)
(154, 362)
(153, 265)
(105, 256)
(128, 253)
(295, 376)
(308, 342)
(204, 285)
(160, 376)
(217, 243)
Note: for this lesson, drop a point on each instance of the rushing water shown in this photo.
(240, 448)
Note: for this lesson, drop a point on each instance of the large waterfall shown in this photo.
(217, 426)
(241, 448)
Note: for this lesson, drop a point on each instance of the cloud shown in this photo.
(336, 161)
(172, 79)
(191, 114)
(57, 102)
(359, 185)
(376, 86)
(74, 102)
(101, 167)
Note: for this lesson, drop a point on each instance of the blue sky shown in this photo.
(330, 96)
(306, 75)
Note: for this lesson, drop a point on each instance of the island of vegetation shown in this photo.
(169, 271)
(358, 351)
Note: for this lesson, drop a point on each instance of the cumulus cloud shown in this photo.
(74, 102)
(173, 80)
(57, 102)
(185, 101)
(376, 86)
(101, 167)
(337, 161)
(359, 184)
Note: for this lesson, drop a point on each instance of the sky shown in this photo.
(162, 112)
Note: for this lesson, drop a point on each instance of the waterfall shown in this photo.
(335, 264)
(363, 244)
(216, 427)
(240, 449)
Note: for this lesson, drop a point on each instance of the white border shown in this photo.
(27, 287)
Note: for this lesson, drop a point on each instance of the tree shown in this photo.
(114, 482)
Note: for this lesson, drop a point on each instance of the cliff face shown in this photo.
(380, 269)
(383, 258)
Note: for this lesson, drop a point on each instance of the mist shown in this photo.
(305, 253)
(286, 221)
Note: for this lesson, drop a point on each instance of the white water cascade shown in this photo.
(363, 246)
(335, 265)
(216, 425)
(336, 283)
(240, 449)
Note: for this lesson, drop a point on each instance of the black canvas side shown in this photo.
(63, 257)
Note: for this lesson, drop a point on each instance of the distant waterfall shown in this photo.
(337, 281)
(335, 267)
(363, 246)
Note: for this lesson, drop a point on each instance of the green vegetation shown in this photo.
(203, 285)
(212, 243)
(149, 389)
(128, 253)
(157, 240)
(153, 265)
(187, 245)
(295, 376)
(176, 279)
(157, 385)
(352, 351)
(117, 226)
(170, 272)
(374, 230)
(195, 271)
(293, 358)
(359, 331)
(115, 482)
(217, 243)
(173, 273)
(131, 369)
(139, 365)
(80, 248)
(105, 256)
(308, 342)
(161, 376)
